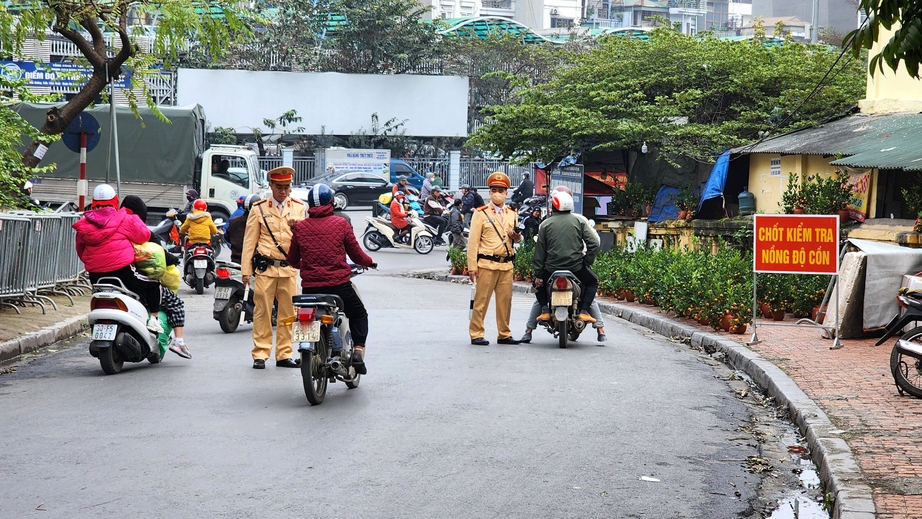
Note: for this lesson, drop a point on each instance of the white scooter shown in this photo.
(119, 323)
(381, 233)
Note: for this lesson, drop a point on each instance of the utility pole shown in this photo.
(816, 21)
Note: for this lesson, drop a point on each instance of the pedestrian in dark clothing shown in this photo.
(478, 200)
(236, 229)
(530, 224)
(525, 190)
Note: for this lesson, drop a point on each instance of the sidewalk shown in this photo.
(864, 437)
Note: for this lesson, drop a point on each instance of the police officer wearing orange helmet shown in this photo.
(490, 255)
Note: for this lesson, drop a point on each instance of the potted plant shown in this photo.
(912, 197)
(522, 268)
(458, 260)
(792, 199)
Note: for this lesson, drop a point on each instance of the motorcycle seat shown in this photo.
(317, 300)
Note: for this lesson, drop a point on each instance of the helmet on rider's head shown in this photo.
(191, 193)
(200, 205)
(319, 195)
(402, 177)
(104, 194)
(562, 201)
(250, 200)
(27, 185)
(400, 195)
(498, 179)
(465, 186)
(240, 200)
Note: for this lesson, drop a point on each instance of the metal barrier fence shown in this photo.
(37, 258)
(474, 171)
(304, 167)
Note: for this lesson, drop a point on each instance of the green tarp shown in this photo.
(157, 152)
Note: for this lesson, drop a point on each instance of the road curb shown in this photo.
(42, 338)
(838, 469)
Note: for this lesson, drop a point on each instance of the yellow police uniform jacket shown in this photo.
(484, 240)
(257, 236)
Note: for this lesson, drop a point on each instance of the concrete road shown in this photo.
(438, 428)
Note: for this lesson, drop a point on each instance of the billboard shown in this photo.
(60, 75)
(328, 102)
(572, 177)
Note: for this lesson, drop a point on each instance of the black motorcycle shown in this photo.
(906, 357)
(231, 297)
(321, 331)
(199, 266)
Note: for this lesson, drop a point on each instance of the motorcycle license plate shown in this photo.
(104, 332)
(301, 332)
(200, 264)
(561, 298)
(222, 292)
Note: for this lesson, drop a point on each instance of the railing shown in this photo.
(497, 4)
(474, 171)
(37, 258)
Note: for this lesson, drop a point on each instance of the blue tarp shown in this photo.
(664, 207)
(714, 187)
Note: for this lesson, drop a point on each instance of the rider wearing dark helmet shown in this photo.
(401, 185)
(319, 245)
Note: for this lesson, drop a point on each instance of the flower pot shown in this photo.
(798, 210)
(519, 277)
(455, 271)
(918, 225)
(703, 319)
(778, 315)
(619, 294)
(739, 329)
(725, 322)
(766, 310)
(844, 215)
(629, 296)
(814, 315)
(682, 214)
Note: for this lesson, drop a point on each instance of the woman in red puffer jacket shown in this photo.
(319, 245)
(105, 244)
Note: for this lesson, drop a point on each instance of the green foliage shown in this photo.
(683, 95)
(793, 195)
(827, 194)
(13, 173)
(389, 136)
(913, 196)
(222, 135)
(106, 36)
(685, 199)
(904, 17)
(522, 266)
(457, 258)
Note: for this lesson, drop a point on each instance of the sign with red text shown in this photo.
(796, 243)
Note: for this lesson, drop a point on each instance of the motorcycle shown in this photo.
(231, 297)
(199, 266)
(906, 357)
(381, 233)
(166, 233)
(563, 290)
(530, 204)
(119, 323)
(320, 328)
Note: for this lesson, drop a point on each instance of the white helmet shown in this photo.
(27, 185)
(103, 192)
(562, 201)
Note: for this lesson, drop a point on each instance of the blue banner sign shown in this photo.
(61, 75)
(572, 177)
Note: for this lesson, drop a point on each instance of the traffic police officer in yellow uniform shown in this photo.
(265, 247)
(490, 254)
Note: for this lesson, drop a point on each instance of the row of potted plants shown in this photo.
(816, 194)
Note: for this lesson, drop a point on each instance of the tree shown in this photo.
(904, 17)
(281, 123)
(683, 95)
(89, 24)
(352, 36)
(13, 173)
(389, 136)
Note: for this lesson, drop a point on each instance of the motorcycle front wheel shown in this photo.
(562, 334)
(371, 241)
(314, 371)
(229, 318)
(906, 369)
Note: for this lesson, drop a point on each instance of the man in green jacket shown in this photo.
(565, 242)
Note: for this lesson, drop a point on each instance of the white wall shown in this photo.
(433, 106)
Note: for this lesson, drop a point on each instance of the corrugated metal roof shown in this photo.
(884, 141)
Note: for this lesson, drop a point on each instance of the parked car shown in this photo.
(352, 187)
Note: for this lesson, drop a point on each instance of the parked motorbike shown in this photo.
(166, 233)
(381, 233)
(231, 297)
(320, 329)
(563, 298)
(199, 266)
(906, 357)
(118, 319)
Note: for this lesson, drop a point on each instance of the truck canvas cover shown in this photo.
(150, 150)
